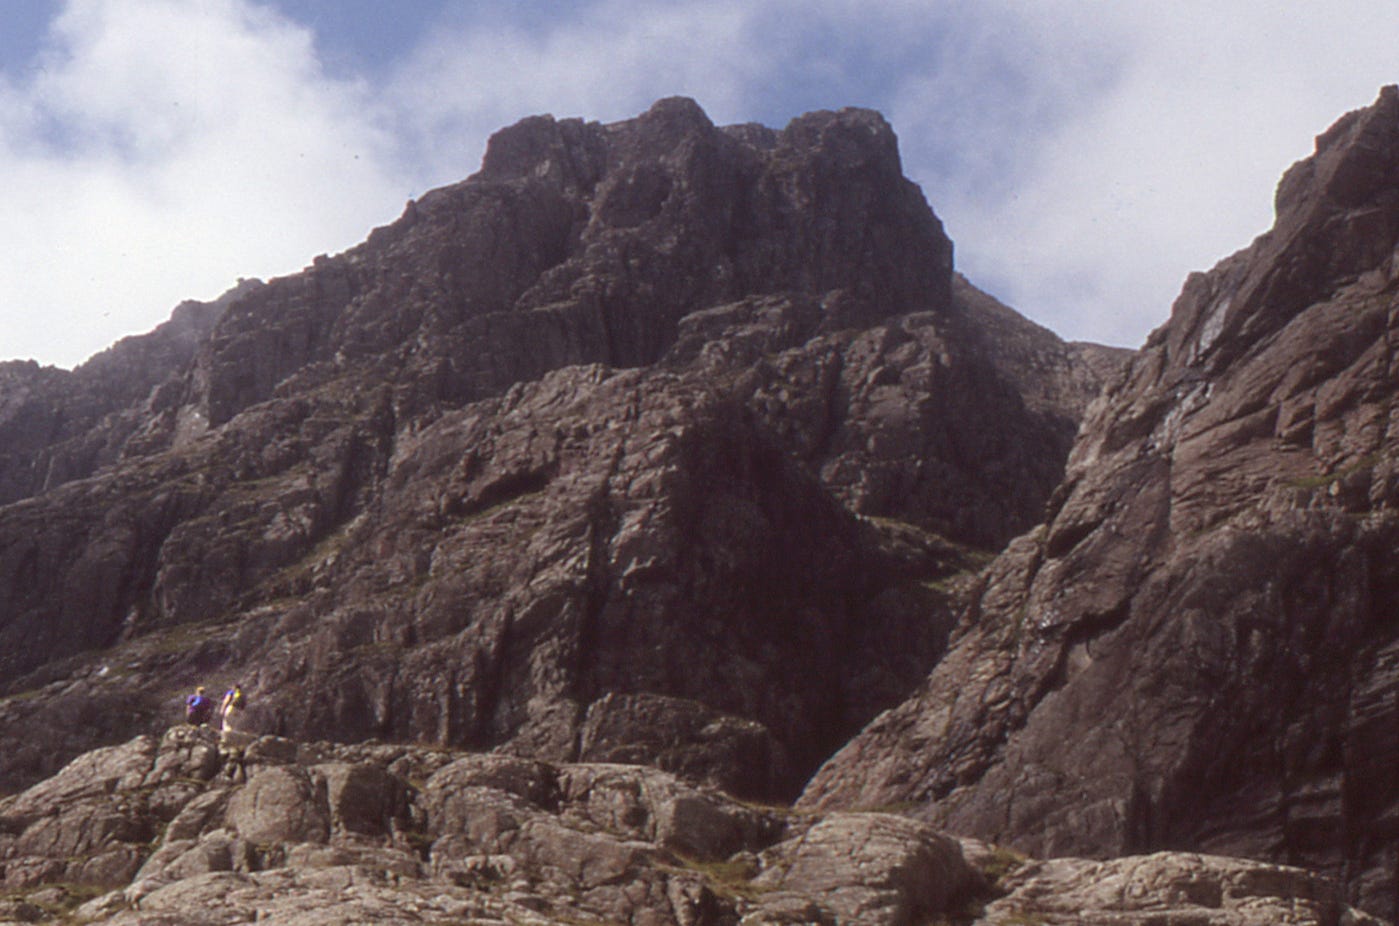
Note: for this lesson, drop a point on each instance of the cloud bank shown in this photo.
(1171, 164)
(1084, 155)
(157, 150)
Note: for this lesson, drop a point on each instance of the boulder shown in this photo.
(362, 798)
(502, 839)
(280, 805)
(870, 868)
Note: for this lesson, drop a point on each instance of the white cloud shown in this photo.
(164, 148)
(1172, 165)
(1084, 155)
(611, 60)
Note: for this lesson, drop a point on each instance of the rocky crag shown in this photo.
(643, 468)
(174, 829)
(650, 442)
(1200, 648)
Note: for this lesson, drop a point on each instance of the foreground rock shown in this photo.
(1199, 648)
(313, 833)
(172, 830)
(1166, 887)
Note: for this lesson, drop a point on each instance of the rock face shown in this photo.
(652, 441)
(174, 830)
(57, 426)
(1199, 649)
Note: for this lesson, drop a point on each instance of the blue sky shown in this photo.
(1084, 155)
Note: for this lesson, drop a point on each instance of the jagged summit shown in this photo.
(606, 452)
(1198, 649)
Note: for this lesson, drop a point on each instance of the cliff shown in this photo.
(1198, 649)
(652, 441)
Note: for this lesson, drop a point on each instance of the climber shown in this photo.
(234, 738)
(199, 708)
(231, 710)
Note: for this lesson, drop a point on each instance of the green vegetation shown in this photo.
(58, 900)
(896, 808)
(1024, 919)
(731, 879)
(1325, 480)
(19, 697)
(481, 514)
(180, 638)
(1002, 862)
(290, 579)
(418, 842)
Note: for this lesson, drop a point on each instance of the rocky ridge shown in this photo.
(1198, 649)
(57, 426)
(174, 829)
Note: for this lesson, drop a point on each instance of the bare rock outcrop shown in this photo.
(275, 831)
(1198, 650)
(304, 833)
(57, 426)
(1165, 887)
(878, 869)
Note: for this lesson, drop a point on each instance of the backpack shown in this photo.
(198, 709)
(238, 700)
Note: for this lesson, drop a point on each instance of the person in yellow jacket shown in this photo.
(231, 711)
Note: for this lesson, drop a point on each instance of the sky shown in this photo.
(1084, 156)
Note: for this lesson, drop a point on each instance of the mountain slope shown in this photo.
(652, 441)
(1199, 649)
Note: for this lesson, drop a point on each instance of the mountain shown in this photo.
(652, 441)
(1199, 649)
(660, 473)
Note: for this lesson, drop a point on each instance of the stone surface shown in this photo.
(492, 838)
(280, 805)
(57, 426)
(878, 869)
(685, 737)
(1198, 650)
(1166, 887)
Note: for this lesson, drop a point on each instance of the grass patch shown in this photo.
(379, 648)
(294, 580)
(473, 515)
(58, 900)
(418, 842)
(20, 697)
(1325, 480)
(951, 585)
(1019, 918)
(177, 639)
(574, 918)
(1001, 862)
(783, 811)
(731, 879)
